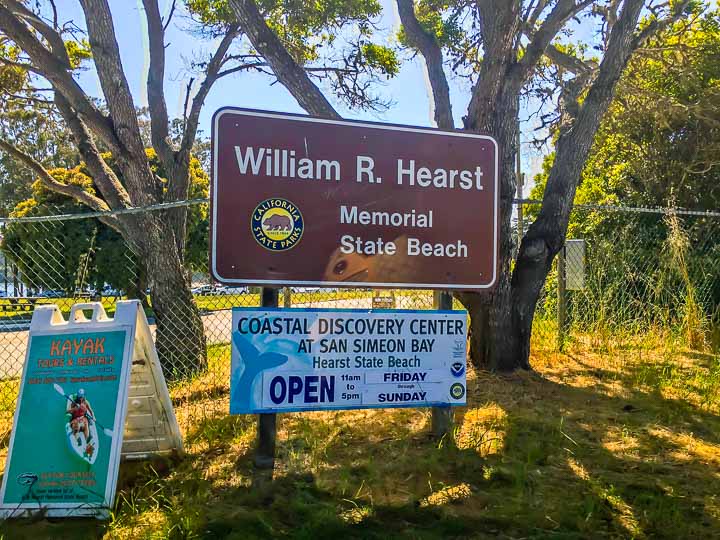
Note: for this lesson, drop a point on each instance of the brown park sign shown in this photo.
(307, 201)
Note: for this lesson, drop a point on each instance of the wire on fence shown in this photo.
(640, 269)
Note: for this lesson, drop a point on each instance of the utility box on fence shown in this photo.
(575, 265)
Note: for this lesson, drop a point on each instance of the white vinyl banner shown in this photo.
(320, 359)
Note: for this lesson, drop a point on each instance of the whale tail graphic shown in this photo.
(254, 363)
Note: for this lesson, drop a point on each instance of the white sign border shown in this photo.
(300, 118)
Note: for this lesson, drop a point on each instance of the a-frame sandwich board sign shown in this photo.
(69, 423)
(151, 428)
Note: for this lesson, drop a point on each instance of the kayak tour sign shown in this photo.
(69, 430)
(325, 359)
(307, 201)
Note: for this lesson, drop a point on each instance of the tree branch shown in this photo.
(212, 73)
(21, 65)
(170, 16)
(431, 52)
(28, 98)
(104, 177)
(576, 139)
(106, 55)
(288, 72)
(249, 65)
(500, 23)
(159, 121)
(540, 40)
(571, 63)
(47, 179)
(531, 17)
(57, 45)
(54, 70)
(658, 25)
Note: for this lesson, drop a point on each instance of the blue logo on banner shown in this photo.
(457, 369)
(255, 362)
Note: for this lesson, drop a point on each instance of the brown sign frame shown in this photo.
(348, 284)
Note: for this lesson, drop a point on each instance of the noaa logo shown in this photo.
(457, 391)
(27, 479)
(457, 369)
(277, 224)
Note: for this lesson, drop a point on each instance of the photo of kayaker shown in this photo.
(80, 425)
(78, 408)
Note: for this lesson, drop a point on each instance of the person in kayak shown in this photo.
(78, 409)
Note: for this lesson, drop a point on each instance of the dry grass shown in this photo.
(618, 443)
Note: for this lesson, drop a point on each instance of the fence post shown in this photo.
(267, 423)
(287, 297)
(561, 300)
(442, 417)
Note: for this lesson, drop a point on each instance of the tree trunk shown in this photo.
(546, 236)
(492, 345)
(180, 336)
(179, 176)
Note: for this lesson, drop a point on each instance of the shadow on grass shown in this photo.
(622, 466)
(68, 528)
(570, 462)
(295, 507)
(205, 393)
(555, 475)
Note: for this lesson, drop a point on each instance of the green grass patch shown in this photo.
(596, 443)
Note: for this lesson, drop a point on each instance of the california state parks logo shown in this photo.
(277, 224)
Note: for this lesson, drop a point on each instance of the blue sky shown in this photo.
(408, 91)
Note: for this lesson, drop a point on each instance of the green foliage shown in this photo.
(304, 27)
(332, 34)
(198, 224)
(660, 139)
(658, 145)
(211, 12)
(12, 78)
(380, 58)
(447, 31)
(78, 51)
(82, 253)
(28, 122)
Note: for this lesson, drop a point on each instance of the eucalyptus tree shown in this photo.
(48, 50)
(505, 48)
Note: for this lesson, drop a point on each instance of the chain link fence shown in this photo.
(629, 272)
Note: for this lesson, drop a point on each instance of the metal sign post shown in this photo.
(267, 422)
(301, 201)
(442, 417)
